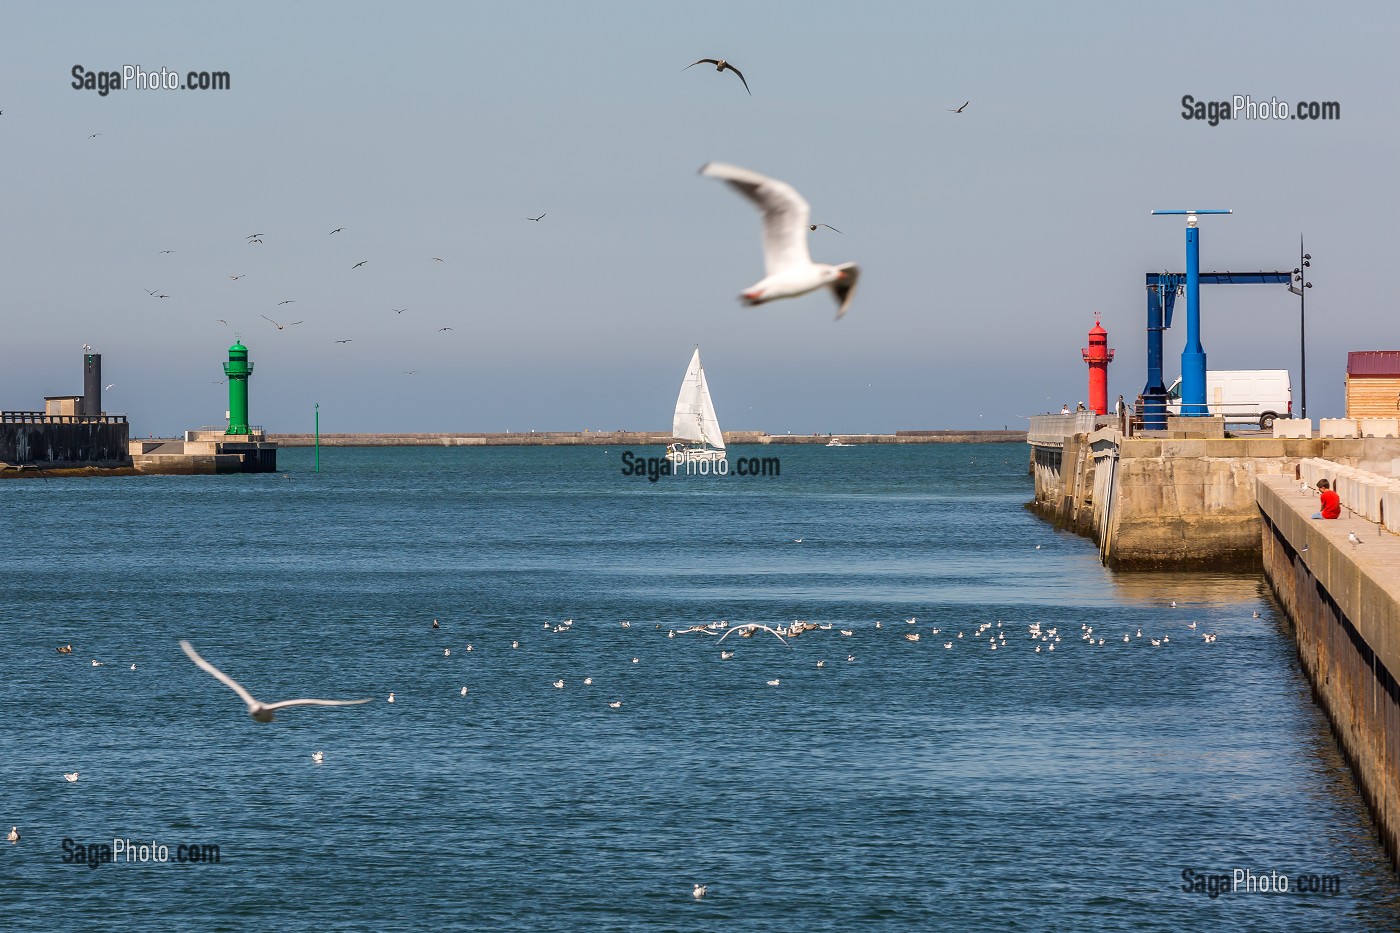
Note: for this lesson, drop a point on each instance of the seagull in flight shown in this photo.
(437, 259)
(151, 291)
(110, 387)
(237, 277)
(358, 264)
(720, 65)
(219, 320)
(261, 712)
(279, 326)
(813, 228)
(94, 135)
(165, 251)
(254, 236)
(788, 267)
(750, 627)
(409, 372)
(536, 219)
(398, 310)
(344, 341)
(441, 329)
(960, 109)
(337, 230)
(287, 302)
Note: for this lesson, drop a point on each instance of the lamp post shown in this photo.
(1193, 356)
(1299, 288)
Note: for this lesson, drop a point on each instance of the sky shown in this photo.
(987, 239)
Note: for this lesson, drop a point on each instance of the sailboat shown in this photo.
(695, 420)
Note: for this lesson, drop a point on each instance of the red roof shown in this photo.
(1373, 363)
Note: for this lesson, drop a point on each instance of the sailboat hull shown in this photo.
(678, 453)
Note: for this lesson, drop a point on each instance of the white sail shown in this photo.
(695, 413)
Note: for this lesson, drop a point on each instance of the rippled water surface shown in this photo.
(901, 786)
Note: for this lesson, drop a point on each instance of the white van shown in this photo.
(1243, 395)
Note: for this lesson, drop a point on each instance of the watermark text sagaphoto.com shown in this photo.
(137, 78)
(653, 468)
(1247, 881)
(123, 851)
(1245, 107)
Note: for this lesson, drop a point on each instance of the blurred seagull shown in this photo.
(616, 704)
(166, 251)
(14, 834)
(360, 263)
(774, 683)
(318, 757)
(535, 219)
(788, 267)
(287, 302)
(343, 341)
(1351, 536)
(337, 230)
(441, 329)
(237, 277)
(71, 777)
(261, 712)
(109, 387)
(720, 65)
(254, 236)
(749, 627)
(559, 684)
(464, 692)
(813, 228)
(960, 109)
(700, 890)
(279, 326)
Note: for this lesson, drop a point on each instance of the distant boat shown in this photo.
(837, 442)
(695, 420)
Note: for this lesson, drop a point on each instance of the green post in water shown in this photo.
(238, 369)
(318, 437)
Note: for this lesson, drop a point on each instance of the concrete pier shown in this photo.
(1176, 502)
(1343, 601)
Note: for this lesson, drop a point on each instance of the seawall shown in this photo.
(631, 439)
(1343, 601)
(1177, 503)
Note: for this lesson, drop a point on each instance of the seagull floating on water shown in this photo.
(261, 712)
(391, 697)
(318, 757)
(559, 684)
(14, 834)
(71, 777)
(788, 267)
(616, 704)
(700, 890)
(749, 627)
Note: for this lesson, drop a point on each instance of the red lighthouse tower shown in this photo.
(1098, 356)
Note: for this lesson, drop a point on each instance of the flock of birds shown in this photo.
(789, 271)
(1037, 637)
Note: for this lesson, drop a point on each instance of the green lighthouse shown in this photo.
(238, 369)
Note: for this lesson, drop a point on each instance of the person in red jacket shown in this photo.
(1330, 501)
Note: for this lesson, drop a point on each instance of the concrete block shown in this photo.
(1336, 427)
(1390, 504)
(1293, 427)
(1195, 427)
(1378, 427)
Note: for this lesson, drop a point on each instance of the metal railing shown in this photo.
(1053, 429)
(39, 417)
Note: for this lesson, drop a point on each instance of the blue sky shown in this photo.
(987, 239)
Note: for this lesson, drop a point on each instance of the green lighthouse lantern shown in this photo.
(238, 369)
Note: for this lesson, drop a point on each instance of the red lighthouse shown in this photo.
(1098, 356)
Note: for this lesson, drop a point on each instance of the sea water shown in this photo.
(901, 785)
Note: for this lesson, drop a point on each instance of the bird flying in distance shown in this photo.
(94, 135)
(162, 295)
(720, 65)
(150, 291)
(166, 251)
(253, 240)
(358, 264)
(398, 310)
(110, 386)
(960, 109)
(813, 228)
(409, 372)
(287, 302)
(537, 219)
(337, 230)
(279, 326)
(221, 321)
(441, 329)
(788, 267)
(344, 341)
(237, 277)
(436, 259)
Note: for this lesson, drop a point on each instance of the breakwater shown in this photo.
(1343, 601)
(631, 438)
(1176, 502)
